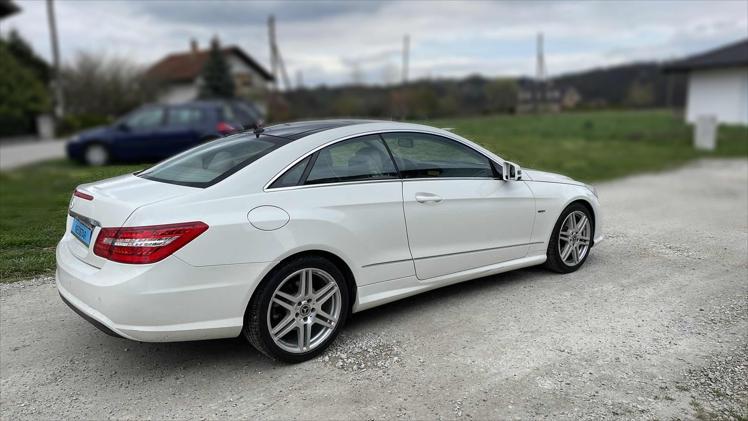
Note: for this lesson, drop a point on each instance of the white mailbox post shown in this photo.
(705, 133)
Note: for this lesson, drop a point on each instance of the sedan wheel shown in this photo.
(571, 239)
(304, 310)
(96, 155)
(297, 310)
(574, 238)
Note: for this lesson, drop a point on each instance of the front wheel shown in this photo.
(298, 310)
(571, 239)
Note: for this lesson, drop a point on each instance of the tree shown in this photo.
(105, 86)
(502, 95)
(217, 81)
(25, 55)
(22, 95)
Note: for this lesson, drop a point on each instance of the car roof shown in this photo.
(299, 129)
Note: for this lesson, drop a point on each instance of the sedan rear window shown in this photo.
(212, 162)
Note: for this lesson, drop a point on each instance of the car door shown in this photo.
(348, 196)
(459, 214)
(137, 134)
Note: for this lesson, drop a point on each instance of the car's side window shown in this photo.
(361, 158)
(292, 177)
(420, 155)
(145, 119)
(184, 116)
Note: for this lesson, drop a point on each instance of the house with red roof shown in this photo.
(179, 75)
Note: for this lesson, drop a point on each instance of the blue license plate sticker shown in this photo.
(81, 231)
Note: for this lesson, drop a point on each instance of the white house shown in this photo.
(179, 75)
(717, 83)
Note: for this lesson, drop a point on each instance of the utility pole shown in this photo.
(276, 61)
(406, 58)
(273, 52)
(540, 93)
(540, 71)
(59, 106)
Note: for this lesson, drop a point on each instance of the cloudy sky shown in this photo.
(325, 41)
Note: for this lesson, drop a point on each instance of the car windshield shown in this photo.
(212, 162)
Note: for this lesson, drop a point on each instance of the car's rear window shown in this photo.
(212, 162)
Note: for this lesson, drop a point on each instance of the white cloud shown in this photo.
(324, 39)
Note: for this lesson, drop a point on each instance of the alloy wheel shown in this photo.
(574, 238)
(304, 310)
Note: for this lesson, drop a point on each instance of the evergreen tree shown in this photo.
(217, 80)
(26, 56)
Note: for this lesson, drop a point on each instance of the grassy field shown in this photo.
(586, 146)
(594, 146)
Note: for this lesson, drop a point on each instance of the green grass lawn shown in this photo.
(33, 204)
(587, 146)
(594, 146)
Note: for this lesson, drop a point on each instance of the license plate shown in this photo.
(81, 231)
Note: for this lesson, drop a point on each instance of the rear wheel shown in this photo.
(571, 240)
(298, 310)
(96, 155)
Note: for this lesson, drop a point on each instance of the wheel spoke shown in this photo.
(288, 297)
(327, 295)
(305, 336)
(582, 223)
(283, 304)
(564, 235)
(584, 241)
(284, 327)
(566, 251)
(574, 255)
(324, 290)
(305, 283)
(324, 319)
(572, 223)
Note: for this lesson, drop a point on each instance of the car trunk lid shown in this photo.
(108, 204)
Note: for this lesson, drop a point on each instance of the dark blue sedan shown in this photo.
(154, 132)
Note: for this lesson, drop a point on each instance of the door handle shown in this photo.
(427, 197)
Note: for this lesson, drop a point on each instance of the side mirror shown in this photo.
(123, 127)
(511, 171)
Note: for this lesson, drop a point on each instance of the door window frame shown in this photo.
(496, 166)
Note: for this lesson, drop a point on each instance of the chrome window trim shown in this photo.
(267, 187)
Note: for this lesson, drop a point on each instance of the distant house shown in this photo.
(180, 75)
(545, 96)
(717, 83)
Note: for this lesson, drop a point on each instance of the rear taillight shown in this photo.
(149, 244)
(224, 127)
(85, 196)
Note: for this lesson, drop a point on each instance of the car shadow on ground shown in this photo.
(237, 352)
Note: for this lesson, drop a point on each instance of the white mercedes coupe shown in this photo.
(281, 233)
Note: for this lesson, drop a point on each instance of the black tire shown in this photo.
(554, 261)
(96, 155)
(255, 319)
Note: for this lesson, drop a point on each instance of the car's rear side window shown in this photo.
(362, 158)
(292, 177)
(210, 163)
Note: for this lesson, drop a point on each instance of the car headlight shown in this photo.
(592, 189)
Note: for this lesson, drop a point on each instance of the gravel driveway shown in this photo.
(654, 326)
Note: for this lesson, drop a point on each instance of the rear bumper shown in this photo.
(164, 302)
(101, 326)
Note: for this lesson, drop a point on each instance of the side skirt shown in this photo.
(373, 295)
